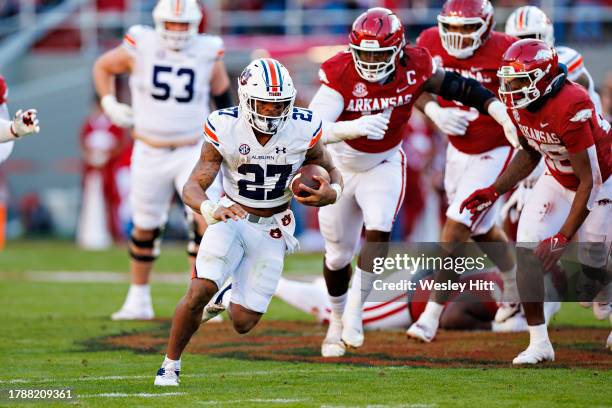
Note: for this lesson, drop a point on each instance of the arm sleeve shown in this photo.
(328, 104)
(468, 91)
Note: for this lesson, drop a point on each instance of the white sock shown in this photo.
(177, 363)
(511, 294)
(538, 334)
(337, 306)
(139, 294)
(432, 311)
(366, 280)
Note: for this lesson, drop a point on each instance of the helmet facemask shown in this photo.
(458, 44)
(519, 89)
(174, 39)
(268, 124)
(381, 60)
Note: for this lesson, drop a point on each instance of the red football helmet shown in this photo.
(465, 25)
(376, 42)
(529, 71)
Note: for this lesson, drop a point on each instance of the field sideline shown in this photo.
(50, 326)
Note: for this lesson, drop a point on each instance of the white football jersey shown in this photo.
(170, 89)
(255, 175)
(573, 60)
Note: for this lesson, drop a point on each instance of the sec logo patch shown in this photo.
(244, 149)
(360, 90)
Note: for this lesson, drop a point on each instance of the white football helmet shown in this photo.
(177, 11)
(530, 22)
(265, 80)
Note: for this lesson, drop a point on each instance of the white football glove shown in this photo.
(371, 126)
(24, 123)
(499, 112)
(119, 113)
(450, 121)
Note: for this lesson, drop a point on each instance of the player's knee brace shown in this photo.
(194, 240)
(147, 249)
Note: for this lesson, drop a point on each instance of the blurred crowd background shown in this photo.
(72, 180)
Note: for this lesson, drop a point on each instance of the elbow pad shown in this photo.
(468, 91)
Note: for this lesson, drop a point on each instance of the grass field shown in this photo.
(49, 326)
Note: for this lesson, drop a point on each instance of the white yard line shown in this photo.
(129, 395)
(259, 400)
(140, 377)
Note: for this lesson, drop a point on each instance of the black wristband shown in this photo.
(223, 100)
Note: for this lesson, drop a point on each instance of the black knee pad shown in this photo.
(153, 244)
(194, 239)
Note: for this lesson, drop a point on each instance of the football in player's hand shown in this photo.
(305, 176)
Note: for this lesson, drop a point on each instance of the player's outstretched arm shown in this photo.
(523, 163)
(470, 92)
(581, 164)
(107, 66)
(329, 104)
(327, 193)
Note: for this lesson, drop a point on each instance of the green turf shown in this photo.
(47, 325)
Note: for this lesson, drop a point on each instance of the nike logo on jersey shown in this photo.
(476, 69)
(543, 125)
(398, 90)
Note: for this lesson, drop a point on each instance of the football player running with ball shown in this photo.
(258, 146)
(365, 101)
(173, 70)
(464, 42)
(573, 199)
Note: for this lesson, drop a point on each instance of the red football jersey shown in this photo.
(363, 97)
(3, 90)
(483, 133)
(567, 123)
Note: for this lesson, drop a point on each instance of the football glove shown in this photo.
(499, 112)
(371, 126)
(479, 201)
(24, 123)
(119, 113)
(550, 250)
(450, 121)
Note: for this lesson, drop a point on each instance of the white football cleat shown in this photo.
(352, 329)
(517, 323)
(332, 347)
(141, 312)
(423, 330)
(167, 376)
(506, 310)
(332, 344)
(212, 312)
(535, 354)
